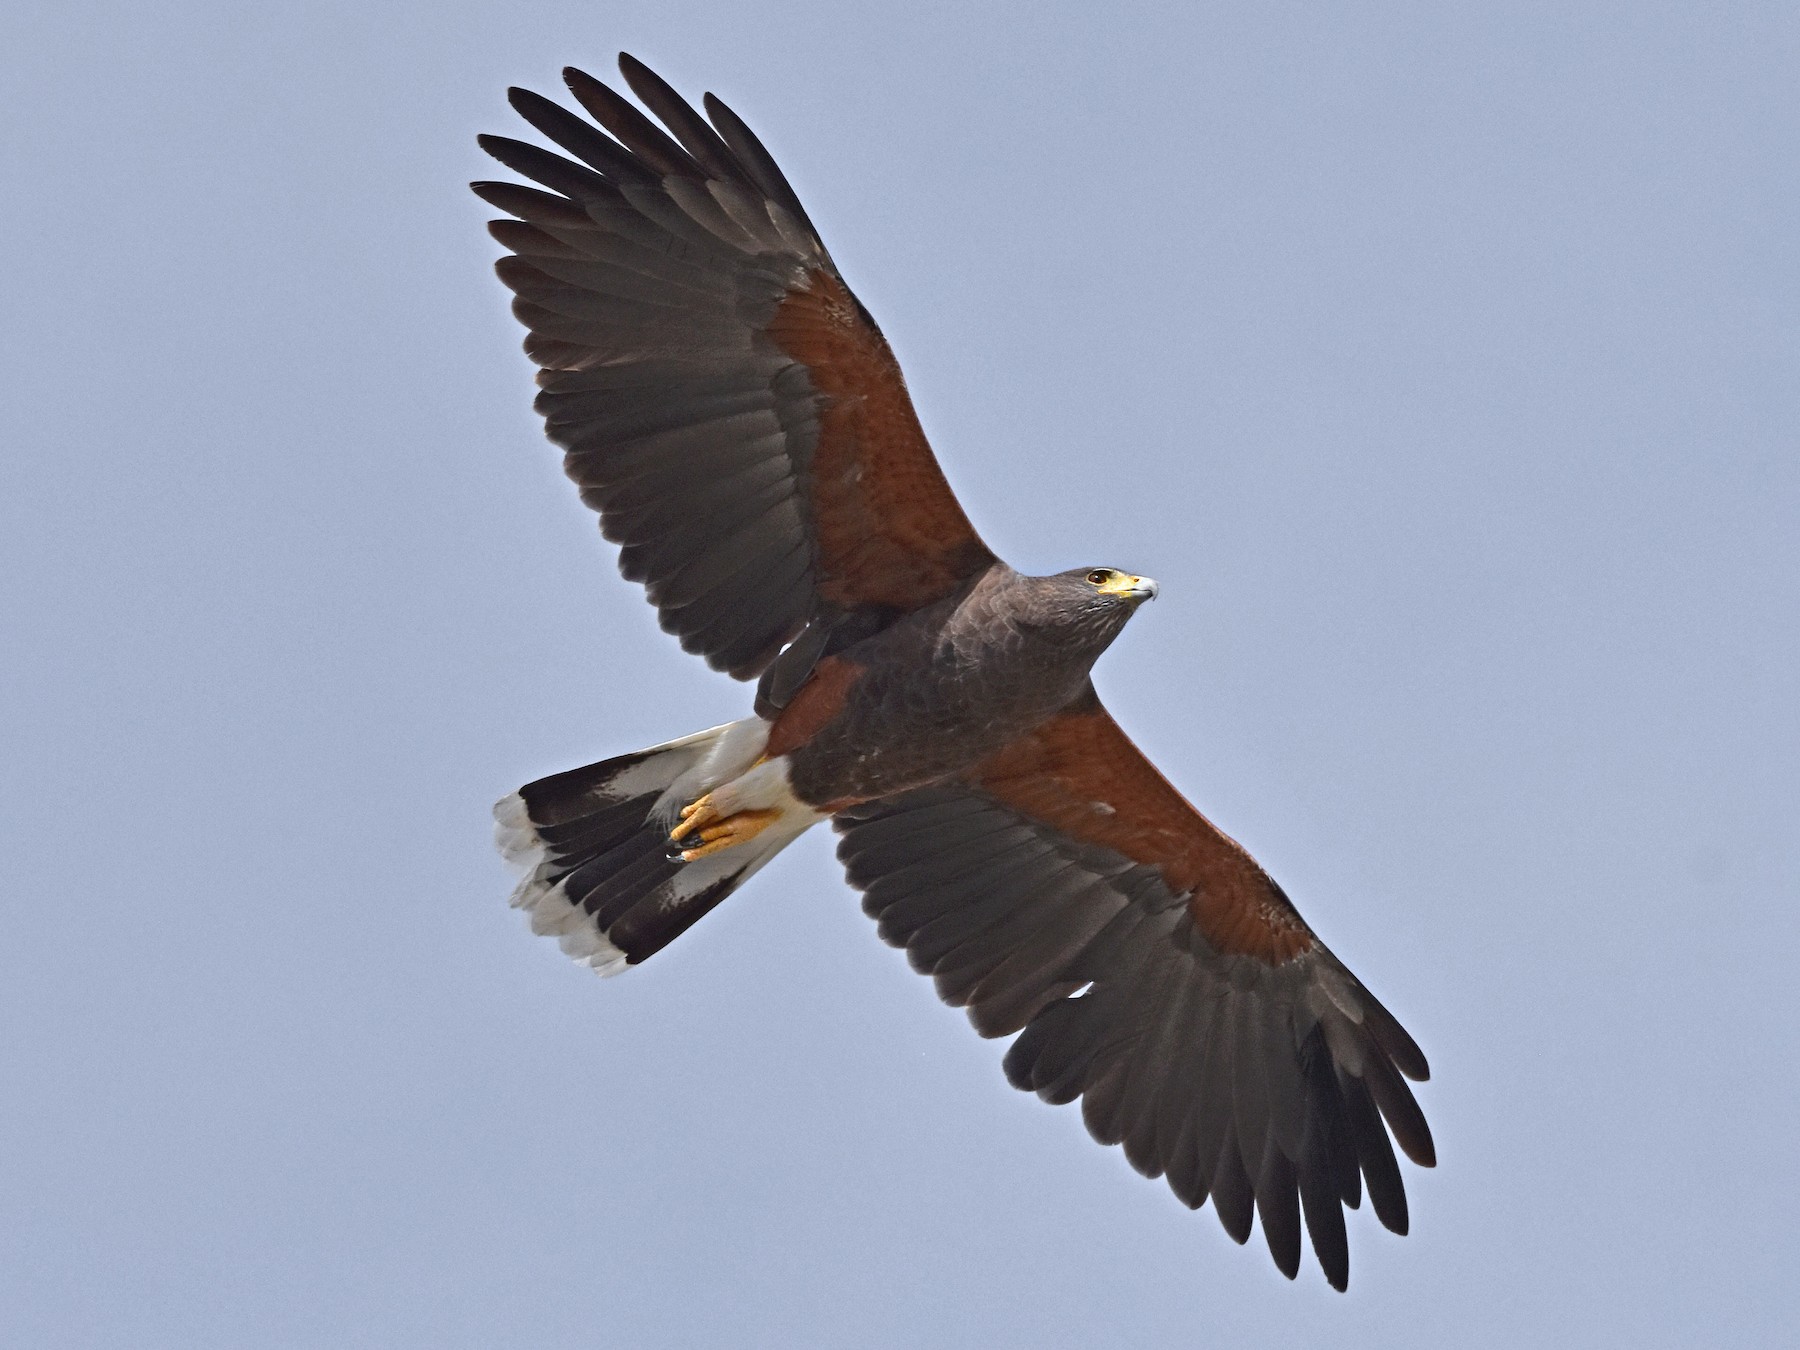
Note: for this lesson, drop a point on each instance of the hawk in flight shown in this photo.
(738, 421)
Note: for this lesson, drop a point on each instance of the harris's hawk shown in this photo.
(739, 423)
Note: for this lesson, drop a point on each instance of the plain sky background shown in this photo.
(1441, 361)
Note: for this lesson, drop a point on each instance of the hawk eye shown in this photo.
(1099, 577)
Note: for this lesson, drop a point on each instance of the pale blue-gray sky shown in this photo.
(1440, 360)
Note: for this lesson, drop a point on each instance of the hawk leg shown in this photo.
(703, 830)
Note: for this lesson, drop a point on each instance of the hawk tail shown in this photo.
(600, 874)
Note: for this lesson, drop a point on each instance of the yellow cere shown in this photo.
(1110, 582)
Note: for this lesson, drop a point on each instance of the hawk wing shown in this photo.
(724, 402)
(1068, 891)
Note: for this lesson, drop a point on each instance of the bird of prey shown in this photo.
(740, 424)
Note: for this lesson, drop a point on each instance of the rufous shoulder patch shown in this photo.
(1080, 774)
(816, 702)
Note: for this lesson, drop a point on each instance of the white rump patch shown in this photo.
(730, 750)
(663, 765)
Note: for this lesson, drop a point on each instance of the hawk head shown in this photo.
(1084, 608)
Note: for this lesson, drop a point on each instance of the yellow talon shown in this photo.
(694, 816)
(723, 834)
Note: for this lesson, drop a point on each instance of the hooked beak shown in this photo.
(1135, 589)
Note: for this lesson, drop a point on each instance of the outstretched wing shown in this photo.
(1068, 891)
(726, 404)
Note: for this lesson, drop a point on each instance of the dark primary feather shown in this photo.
(700, 141)
(653, 149)
(553, 171)
(582, 139)
(758, 163)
